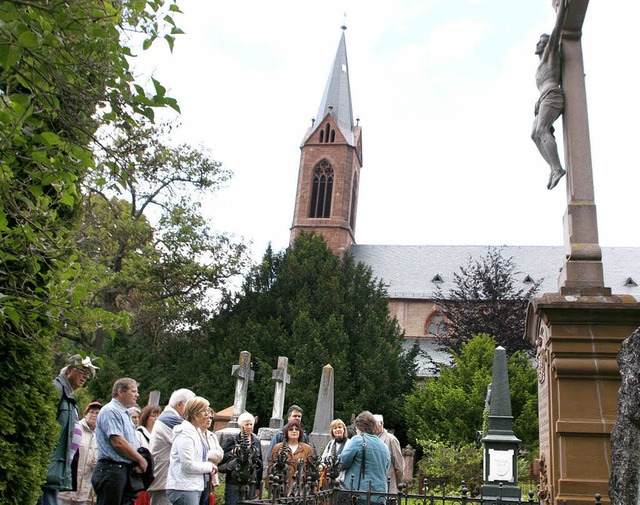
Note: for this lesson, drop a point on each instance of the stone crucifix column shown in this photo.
(582, 273)
(282, 378)
(243, 374)
(578, 330)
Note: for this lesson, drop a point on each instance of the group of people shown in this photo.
(370, 459)
(106, 459)
(121, 454)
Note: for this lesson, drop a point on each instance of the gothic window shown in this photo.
(436, 325)
(321, 190)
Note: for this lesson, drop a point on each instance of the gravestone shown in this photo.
(154, 398)
(243, 375)
(578, 330)
(324, 410)
(500, 462)
(282, 378)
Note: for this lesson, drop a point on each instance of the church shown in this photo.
(326, 203)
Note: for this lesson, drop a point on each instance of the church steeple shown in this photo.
(330, 163)
(337, 93)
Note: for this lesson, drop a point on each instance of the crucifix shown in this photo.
(560, 79)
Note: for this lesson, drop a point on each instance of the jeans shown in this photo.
(232, 494)
(110, 481)
(184, 497)
(159, 497)
(49, 497)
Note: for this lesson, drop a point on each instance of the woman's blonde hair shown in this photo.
(194, 406)
(334, 424)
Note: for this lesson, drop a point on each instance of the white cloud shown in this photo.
(446, 116)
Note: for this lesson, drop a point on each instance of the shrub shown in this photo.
(446, 465)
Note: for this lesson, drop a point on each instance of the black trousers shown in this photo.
(110, 481)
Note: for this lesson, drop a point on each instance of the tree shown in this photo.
(485, 299)
(316, 309)
(451, 408)
(60, 62)
(162, 275)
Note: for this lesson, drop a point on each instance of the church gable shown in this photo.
(327, 132)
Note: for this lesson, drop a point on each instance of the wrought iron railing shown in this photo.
(315, 482)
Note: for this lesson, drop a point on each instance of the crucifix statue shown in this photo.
(551, 102)
(560, 79)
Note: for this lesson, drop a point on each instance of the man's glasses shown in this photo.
(85, 373)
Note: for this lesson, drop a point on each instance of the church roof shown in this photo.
(337, 94)
(414, 272)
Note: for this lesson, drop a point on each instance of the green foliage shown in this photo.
(162, 275)
(316, 309)
(28, 427)
(447, 464)
(451, 407)
(60, 62)
(486, 299)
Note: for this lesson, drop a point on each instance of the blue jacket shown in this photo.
(376, 464)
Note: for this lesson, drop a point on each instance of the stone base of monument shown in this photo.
(507, 491)
(265, 435)
(577, 341)
(226, 433)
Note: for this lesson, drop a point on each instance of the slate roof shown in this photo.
(337, 94)
(409, 271)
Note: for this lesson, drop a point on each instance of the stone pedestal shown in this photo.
(577, 340)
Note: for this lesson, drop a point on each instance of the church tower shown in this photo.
(330, 163)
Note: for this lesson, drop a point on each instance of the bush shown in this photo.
(446, 465)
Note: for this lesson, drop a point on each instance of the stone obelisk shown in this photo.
(324, 410)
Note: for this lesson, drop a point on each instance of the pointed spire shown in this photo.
(337, 93)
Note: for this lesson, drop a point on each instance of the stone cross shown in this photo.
(582, 273)
(243, 374)
(282, 378)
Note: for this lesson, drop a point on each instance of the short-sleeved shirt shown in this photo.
(114, 419)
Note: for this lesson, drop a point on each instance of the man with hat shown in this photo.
(86, 460)
(73, 376)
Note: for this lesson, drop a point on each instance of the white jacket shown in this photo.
(215, 453)
(87, 455)
(186, 468)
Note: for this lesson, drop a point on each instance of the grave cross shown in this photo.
(282, 378)
(243, 374)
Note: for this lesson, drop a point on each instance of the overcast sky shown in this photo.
(444, 90)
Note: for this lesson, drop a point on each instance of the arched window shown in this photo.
(321, 190)
(436, 325)
(327, 135)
